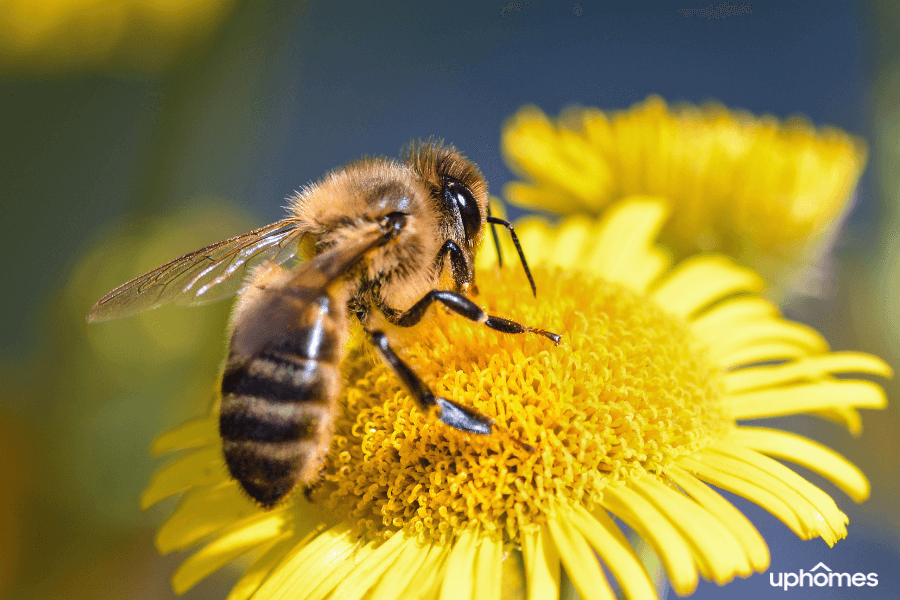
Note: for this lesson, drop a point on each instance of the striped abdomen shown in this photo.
(278, 405)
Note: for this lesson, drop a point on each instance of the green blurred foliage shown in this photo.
(95, 397)
(17, 464)
(874, 281)
(95, 168)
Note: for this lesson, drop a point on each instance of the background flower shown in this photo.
(771, 194)
(76, 35)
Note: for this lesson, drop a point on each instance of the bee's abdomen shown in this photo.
(275, 420)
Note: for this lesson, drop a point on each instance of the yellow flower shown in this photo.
(71, 35)
(633, 416)
(770, 194)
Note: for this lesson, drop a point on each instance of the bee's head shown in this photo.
(459, 196)
(457, 187)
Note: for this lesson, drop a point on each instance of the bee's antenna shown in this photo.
(496, 239)
(494, 220)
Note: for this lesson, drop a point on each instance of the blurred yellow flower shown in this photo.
(633, 416)
(61, 35)
(771, 194)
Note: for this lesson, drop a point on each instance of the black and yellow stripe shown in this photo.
(278, 407)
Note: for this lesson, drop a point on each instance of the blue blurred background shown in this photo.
(131, 137)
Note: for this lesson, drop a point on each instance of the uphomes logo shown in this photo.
(821, 576)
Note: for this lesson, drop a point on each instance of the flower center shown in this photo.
(626, 391)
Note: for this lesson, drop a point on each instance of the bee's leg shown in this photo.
(465, 307)
(462, 271)
(452, 413)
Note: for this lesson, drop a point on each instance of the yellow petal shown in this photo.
(806, 397)
(226, 548)
(427, 581)
(712, 324)
(755, 332)
(644, 518)
(486, 257)
(203, 511)
(624, 237)
(364, 576)
(751, 489)
(537, 236)
(806, 453)
(724, 511)
(541, 564)
(413, 559)
(319, 583)
(713, 544)
(818, 499)
(526, 137)
(766, 351)
(640, 274)
(589, 178)
(254, 576)
(614, 550)
(531, 144)
(497, 207)
(700, 281)
(488, 569)
(201, 467)
(193, 434)
(581, 565)
(805, 369)
(810, 520)
(322, 553)
(459, 582)
(540, 197)
(572, 238)
(847, 416)
(598, 130)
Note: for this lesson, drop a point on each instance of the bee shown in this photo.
(381, 236)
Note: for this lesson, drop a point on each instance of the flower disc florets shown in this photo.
(626, 390)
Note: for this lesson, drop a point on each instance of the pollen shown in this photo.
(626, 391)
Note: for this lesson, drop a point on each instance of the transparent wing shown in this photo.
(204, 276)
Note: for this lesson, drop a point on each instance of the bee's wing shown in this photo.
(307, 284)
(333, 262)
(204, 276)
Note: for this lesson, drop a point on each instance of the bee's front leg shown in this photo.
(468, 309)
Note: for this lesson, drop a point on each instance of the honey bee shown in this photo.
(382, 235)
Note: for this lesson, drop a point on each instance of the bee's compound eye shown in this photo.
(461, 201)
